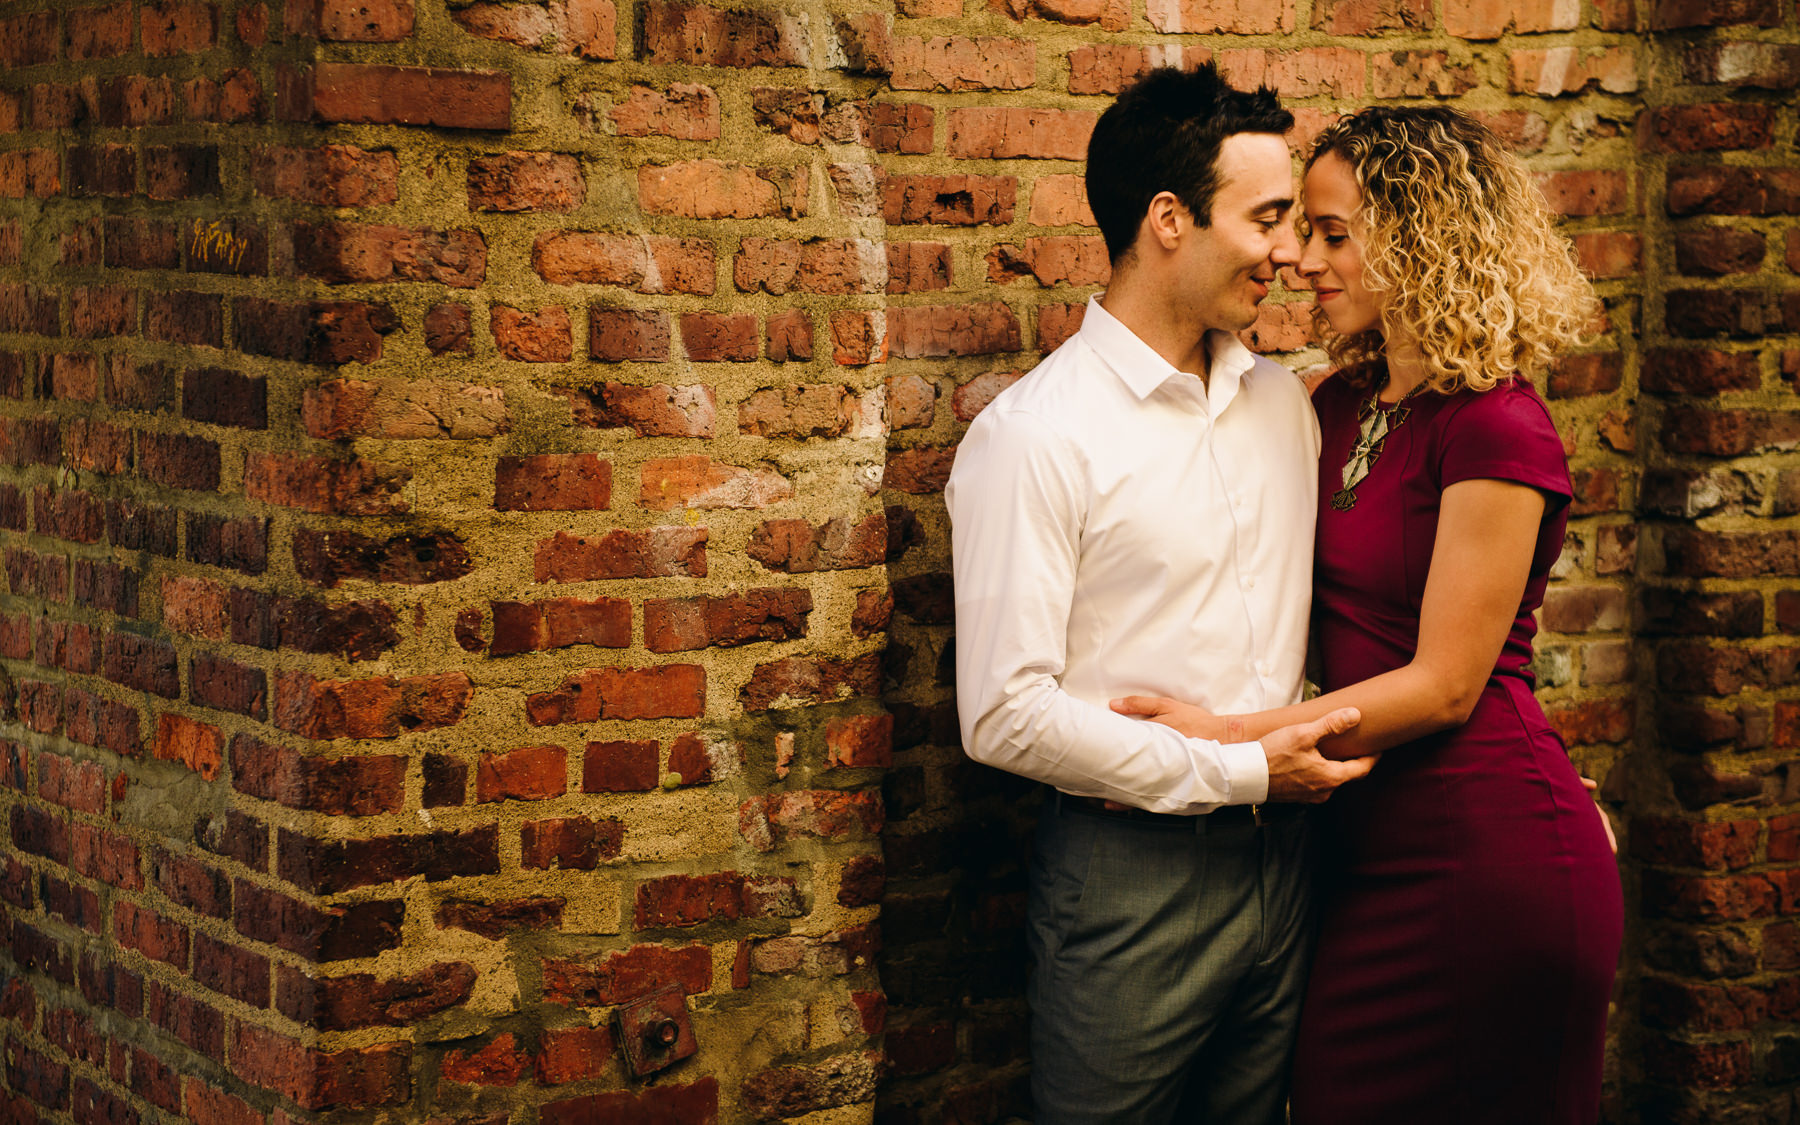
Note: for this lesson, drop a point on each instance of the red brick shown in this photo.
(963, 63)
(697, 482)
(860, 741)
(905, 128)
(352, 1078)
(620, 767)
(1771, 66)
(344, 408)
(1418, 74)
(676, 901)
(646, 263)
(99, 32)
(499, 1063)
(1593, 721)
(339, 253)
(179, 28)
(1571, 70)
(326, 485)
(559, 623)
(320, 332)
(685, 111)
(1717, 251)
(657, 410)
(806, 410)
(1608, 254)
(1584, 193)
(33, 173)
(958, 200)
(525, 181)
(363, 785)
(1336, 72)
(710, 337)
(617, 977)
(797, 547)
(1214, 16)
(208, 1106)
(531, 773)
(150, 934)
(1706, 128)
(716, 189)
(447, 329)
(574, 843)
(685, 624)
(696, 35)
(1690, 843)
(658, 552)
(540, 337)
(365, 21)
(1669, 14)
(1699, 371)
(332, 175)
(374, 708)
(795, 680)
(670, 691)
(922, 331)
(572, 1054)
(1489, 19)
(1006, 132)
(1709, 189)
(915, 267)
(358, 94)
(102, 312)
(553, 482)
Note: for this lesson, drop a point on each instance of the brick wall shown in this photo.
(469, 509)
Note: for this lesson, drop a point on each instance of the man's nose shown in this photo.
(1287, 247)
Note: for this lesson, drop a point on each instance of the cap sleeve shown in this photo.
(1505, 434)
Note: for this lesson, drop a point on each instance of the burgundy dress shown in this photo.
(1471, 908)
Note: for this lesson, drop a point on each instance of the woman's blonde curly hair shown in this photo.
(1462, 244)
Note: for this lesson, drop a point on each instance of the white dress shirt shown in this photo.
(1120, 527)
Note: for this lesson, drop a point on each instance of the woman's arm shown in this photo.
(1480, 562)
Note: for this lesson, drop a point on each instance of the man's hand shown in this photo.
(1298, 772)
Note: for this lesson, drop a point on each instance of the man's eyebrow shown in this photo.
(1325, 218)
(1274, 204)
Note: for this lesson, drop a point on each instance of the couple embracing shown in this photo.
(1150, 527)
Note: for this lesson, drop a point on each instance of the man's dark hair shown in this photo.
(1163, 134)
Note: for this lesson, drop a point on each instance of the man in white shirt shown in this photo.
(1135, 516)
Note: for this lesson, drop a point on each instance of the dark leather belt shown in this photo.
(1221, 817)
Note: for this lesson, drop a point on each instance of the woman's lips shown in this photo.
(1326, 294)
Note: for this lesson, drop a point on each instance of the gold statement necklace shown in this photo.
(1373, 425)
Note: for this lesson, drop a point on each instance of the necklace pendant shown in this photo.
(1343, 500)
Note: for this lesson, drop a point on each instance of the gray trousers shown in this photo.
(1168, 965)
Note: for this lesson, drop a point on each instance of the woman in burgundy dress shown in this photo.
(1470, 902)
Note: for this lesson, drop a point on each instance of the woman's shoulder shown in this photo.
(1512, 407)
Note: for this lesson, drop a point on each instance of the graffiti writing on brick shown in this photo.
(215, 243)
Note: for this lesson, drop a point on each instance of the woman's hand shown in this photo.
(1188, 719)
(1593, 787)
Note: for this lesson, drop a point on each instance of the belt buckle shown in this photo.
(1256, 815)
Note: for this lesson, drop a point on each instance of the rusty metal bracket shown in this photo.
(654, 1030)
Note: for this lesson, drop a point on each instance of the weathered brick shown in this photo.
(698, 482)
(525, 181)
(340, 253)
(697, 35)
(686, 111)
(530, 773)
(717, 189)
(574, 843)
(362, 94)
(558, 623)
(658, 552)
(684, 624)
(670, 691)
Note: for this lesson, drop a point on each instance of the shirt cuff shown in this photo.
(1248, 768)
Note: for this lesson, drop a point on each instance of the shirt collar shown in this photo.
(1141, 369)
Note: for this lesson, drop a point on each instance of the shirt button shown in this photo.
(1265, 667)
(1250, 583)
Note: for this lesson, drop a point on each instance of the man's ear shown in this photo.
(1165, 219)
